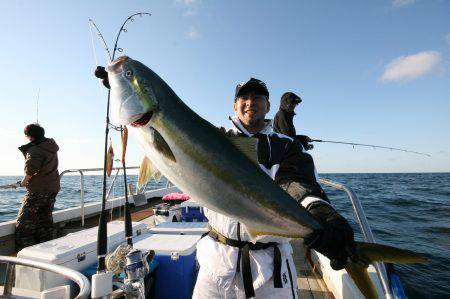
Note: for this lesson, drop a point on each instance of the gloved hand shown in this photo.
(305, 141)
(335, 240)
(101, 73)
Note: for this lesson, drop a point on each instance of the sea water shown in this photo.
(410, 211)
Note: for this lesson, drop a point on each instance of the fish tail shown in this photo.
(369, 253)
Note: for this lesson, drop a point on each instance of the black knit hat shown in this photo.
(251, 85)
(291, 96)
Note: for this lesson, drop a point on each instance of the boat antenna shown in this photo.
(37, 106)
(102, 227)
(370, 145)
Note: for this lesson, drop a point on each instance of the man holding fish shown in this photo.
(236, 175)
(231, 266)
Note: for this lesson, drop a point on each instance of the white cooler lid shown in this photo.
(186, 228)
(165, 244)
(64, 249)
(190, 203)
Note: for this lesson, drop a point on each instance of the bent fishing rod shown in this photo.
(370, 145)
(102, 228)
(13, 185)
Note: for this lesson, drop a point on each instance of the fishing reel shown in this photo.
(134, 264)
(116, 260)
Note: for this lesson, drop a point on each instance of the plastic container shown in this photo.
(77, 251)
(177, 269)
(193, 214)
(180, 228)
(165, 213)
(191, 211)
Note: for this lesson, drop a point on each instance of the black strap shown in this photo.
(277, 268)
(247, 273)
(244, 255)
(290, 278)
(238, 267)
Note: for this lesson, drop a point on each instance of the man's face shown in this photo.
(251, 109)
(292, 105)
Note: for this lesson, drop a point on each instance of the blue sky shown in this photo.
(369, 72)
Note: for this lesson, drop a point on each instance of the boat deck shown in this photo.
(310, 283)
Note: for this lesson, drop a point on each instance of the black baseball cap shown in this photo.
(252, 84)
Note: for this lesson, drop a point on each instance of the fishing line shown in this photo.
(370, 145)
(100, 35)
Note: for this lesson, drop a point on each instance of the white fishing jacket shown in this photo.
(276, 157)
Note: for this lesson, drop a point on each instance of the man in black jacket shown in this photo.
(284, 119)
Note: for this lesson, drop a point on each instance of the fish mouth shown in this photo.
(143, 120)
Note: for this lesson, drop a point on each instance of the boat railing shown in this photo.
(365, 229)
(81, 171)
(11, 262)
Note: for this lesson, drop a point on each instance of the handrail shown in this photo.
(81, 172)
(366, 231)
(77, 277)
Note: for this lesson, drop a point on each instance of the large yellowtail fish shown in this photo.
(219, 172)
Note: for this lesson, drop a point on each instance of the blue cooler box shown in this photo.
(177, 269)
(193, 214)
(191, 211)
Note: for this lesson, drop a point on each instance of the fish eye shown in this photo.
(129, 73)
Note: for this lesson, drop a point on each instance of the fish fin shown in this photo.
(145, 171)
(157, 176)
(161, 145)
(248, 146)
(372, 252)
(362, 279)
(253, 233)
(369, 253)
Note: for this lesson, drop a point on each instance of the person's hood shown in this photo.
(268, 128)
(46, 144)
(287, 99)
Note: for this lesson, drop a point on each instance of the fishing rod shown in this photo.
(13, 185)
(369, 145)
(102, 228)
(128, 224)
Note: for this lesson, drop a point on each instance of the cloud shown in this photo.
(11, 134)
(405, 68)
(192, 34)
(187, 2)
(447, 38)
(68, 141)
(189, 13)
(190, 7)
(400, 3)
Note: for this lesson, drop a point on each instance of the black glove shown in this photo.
(335, 240)
(101, 73)
(305, 141)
